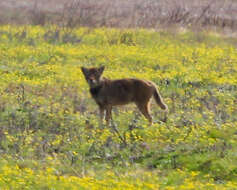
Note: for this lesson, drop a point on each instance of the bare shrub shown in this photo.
(37, 15)
(121, 13)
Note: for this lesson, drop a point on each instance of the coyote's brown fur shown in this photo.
(108, 93)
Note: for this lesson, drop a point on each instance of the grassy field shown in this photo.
(50, 136)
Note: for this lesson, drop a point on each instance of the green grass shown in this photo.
(49, 123)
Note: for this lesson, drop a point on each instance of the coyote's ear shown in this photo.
(101, 69)
(84, 70)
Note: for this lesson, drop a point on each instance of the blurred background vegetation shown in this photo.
(214, 14)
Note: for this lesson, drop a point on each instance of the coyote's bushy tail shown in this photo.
(159, 100)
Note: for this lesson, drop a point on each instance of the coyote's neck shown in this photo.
(95, 90)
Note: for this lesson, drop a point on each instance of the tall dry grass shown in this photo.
(121, 13)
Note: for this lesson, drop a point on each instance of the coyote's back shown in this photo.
(108, 93)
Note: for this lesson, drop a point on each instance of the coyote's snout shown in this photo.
(108, 93)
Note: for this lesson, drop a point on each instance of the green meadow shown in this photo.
(50, 136)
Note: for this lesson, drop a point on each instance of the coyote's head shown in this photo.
(93, 75)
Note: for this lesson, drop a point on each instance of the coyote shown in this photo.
(108, 93)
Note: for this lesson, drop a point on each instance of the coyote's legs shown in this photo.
(108, 116)
(145, 110)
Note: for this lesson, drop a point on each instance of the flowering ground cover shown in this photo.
(50, 137)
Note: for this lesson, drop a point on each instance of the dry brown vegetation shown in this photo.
(121, 13)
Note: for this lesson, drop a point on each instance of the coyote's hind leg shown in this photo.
(145, 110)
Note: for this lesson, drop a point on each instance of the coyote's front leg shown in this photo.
(102, 110)
(108, 116)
